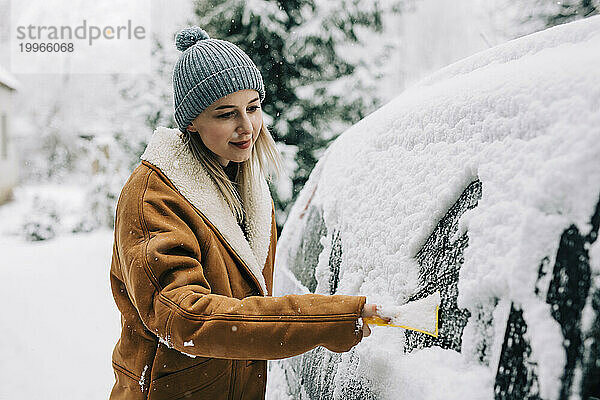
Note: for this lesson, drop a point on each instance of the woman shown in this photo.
(192, 266)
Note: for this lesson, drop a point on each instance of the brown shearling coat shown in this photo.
(198, 319)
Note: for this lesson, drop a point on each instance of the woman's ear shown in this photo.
(191, 128)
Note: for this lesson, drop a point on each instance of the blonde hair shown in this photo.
(265, 161)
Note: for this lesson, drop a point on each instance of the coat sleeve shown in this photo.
(160, 258)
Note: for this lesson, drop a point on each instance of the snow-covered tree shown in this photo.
(552, 12)
(528, 16)
(147, 102)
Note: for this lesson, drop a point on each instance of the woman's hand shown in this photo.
(370, 310)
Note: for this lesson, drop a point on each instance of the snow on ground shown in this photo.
(59, 208)
(524, 119)
(58, 320)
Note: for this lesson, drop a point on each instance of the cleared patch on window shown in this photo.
(440, 260)
(335, 259)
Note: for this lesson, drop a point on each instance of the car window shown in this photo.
(567, 292)
(305, 256)
(313, 374)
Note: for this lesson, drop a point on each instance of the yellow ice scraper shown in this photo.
(419, 315)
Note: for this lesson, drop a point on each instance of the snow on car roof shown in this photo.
(524, 119)
(576, 32)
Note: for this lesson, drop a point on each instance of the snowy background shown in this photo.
(77, 138)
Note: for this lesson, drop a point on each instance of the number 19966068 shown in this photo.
(46, 47)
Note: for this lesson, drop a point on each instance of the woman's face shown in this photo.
(229, 126)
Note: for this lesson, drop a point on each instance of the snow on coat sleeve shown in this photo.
(173, 267)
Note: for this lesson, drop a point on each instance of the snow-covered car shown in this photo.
(481, 182)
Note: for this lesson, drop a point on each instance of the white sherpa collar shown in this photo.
(172, 156)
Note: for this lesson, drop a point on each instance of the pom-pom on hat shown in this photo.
(207, 70)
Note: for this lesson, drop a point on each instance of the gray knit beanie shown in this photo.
(207, 70)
